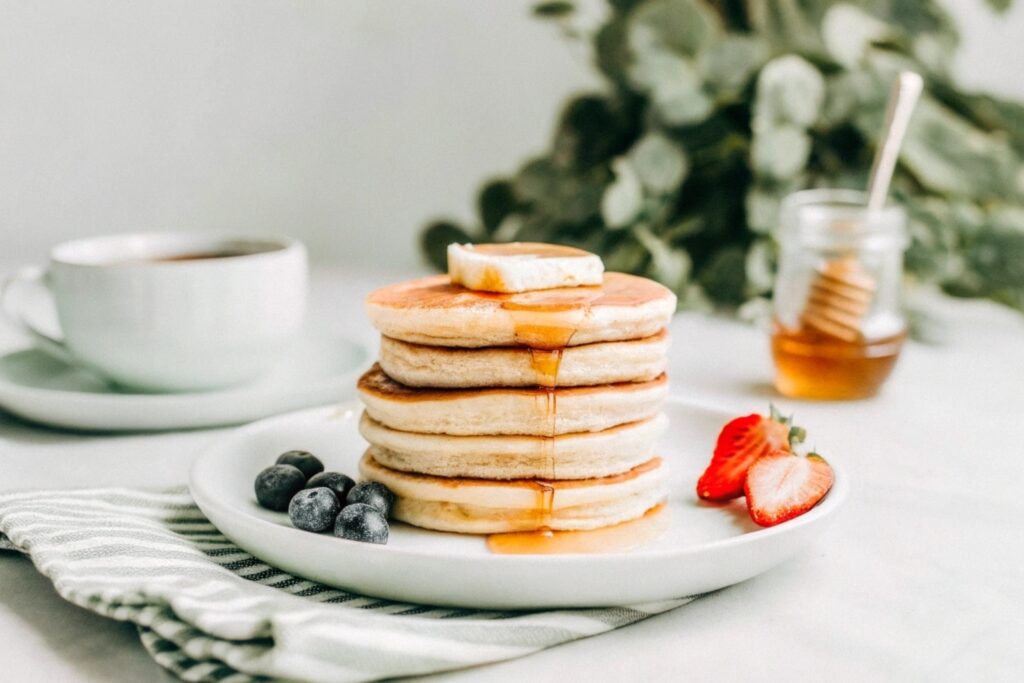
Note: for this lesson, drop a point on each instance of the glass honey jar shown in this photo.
(838, 323)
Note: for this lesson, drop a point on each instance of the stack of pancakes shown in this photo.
(492, 413)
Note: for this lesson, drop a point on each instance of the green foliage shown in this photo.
(715, 110)
(555, 9)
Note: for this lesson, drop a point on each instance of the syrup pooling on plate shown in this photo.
(615, 538)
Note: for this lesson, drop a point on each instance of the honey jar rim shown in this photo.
(837, 218)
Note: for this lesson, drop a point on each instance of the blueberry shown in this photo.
(374, 494)
(276, 485)
(305, 461)
(362, 522)
(336, 482)
(314, 509)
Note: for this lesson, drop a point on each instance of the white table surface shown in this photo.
(921, 578)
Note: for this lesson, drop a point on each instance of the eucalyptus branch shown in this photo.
(715, 109)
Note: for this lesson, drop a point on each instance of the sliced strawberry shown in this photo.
(740, 443)
(782, 486)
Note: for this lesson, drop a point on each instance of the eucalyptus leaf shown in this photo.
(757, 312)
(495, 202)
(789, 24)
(623, 198)
(779, 152)
(685, 27)
(660, 163)
(933, 52)
(730, 63)
(725, 275)
(682, 229)
(611, 50)
(674, 86)
(509, 228)
(588, 133)
(762, 207)
(436, 238)
(534, 181)
(948, 155)
(789, 90)
(677, 105)
(625, 254)
(999, 253)
(848, 93)
(669, 265)
(760, 267)
(555, 9)
(692, 297)
(580, 199)
(848, 32)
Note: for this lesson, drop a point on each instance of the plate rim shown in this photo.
(832, 501)
(9, 388)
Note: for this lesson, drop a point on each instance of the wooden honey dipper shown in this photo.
(842, 291)
(839, 298)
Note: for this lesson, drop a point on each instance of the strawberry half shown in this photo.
(740, 443)
(782, 486)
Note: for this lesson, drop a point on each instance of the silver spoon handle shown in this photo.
(905, 92)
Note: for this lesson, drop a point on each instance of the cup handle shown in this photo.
(30, 277)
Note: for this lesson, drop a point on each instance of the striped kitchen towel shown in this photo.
(208, 611)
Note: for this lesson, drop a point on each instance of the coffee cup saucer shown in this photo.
(39, 388)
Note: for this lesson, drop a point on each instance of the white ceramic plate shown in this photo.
(42, 389)
(705, 547)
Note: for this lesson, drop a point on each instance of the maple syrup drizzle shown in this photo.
(545, 506)
(546, 327)
(616, 538)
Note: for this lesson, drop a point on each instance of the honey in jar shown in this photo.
(838, 327)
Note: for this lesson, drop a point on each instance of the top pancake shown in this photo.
(434, 311)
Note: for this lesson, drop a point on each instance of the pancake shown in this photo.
(419, 365)
(484, 506)
(570, 456)
(528, 411)
(435, 312)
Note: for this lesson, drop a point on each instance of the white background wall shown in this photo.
(345, 123)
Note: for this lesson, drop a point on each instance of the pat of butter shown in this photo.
(522, 266)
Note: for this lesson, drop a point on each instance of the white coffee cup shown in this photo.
(167, 311)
